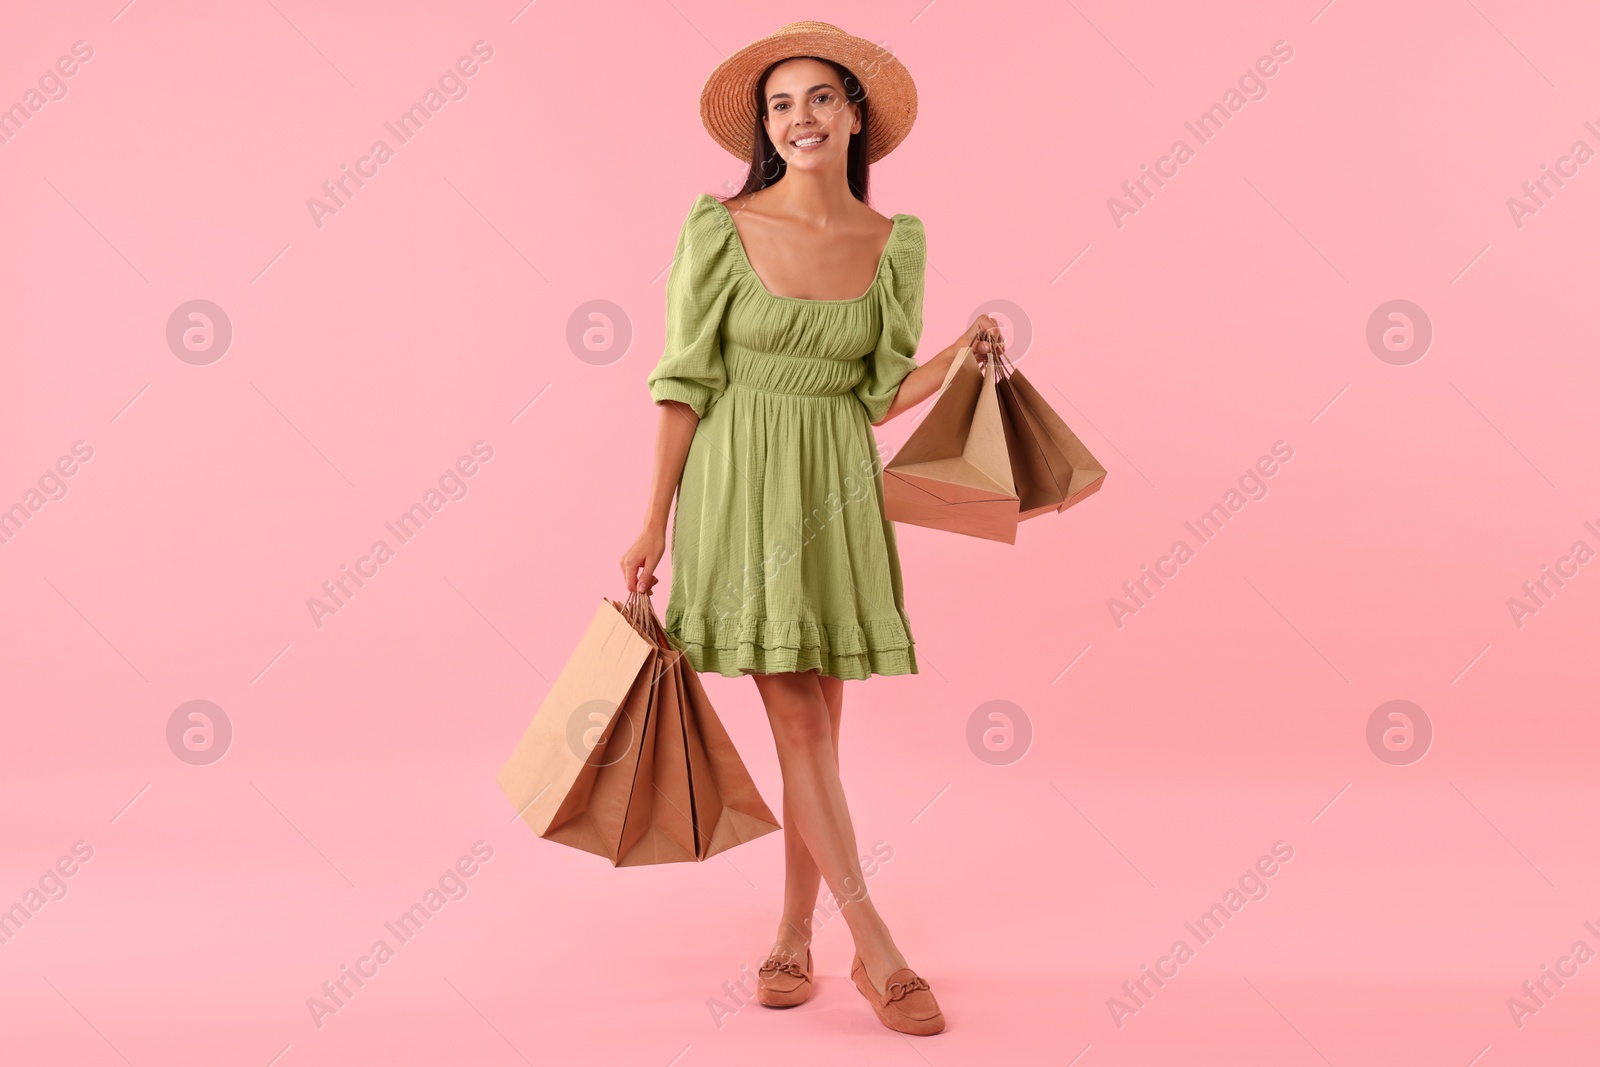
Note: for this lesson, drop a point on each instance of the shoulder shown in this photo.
(707, 256)
(908, 238)
(909, 220)
(911, 228)
(907, 248)
(901, 227)
(909, 244)
(707, 227)
(707, 218)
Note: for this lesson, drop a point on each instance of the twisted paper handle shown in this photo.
(997, 348)
(639, 611)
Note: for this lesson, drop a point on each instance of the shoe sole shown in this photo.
(761, 999)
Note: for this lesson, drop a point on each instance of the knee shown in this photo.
(801, 723)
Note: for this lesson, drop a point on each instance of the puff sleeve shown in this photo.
(699, 283)
(901, 303)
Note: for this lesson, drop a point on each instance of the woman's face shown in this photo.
(805, 102)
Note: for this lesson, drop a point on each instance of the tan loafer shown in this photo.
(906, 1003)
(781, 983)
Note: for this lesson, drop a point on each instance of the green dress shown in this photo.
(782, 559)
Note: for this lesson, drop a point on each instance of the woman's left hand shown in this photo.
(975, 338)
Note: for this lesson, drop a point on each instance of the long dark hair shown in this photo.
(767, 166)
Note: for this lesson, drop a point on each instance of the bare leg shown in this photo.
(802, 878)
(814, 803)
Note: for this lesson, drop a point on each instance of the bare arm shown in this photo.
(674, 433)
(923, 382)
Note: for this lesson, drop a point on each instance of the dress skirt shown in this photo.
(781, 557)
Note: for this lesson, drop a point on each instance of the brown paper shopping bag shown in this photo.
(626, 759)
(1051, 467)
(954, 471)
(552, 774)
(724, 791)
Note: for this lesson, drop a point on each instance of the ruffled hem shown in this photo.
(751, 645)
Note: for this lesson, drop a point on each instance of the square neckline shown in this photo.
(894, 230)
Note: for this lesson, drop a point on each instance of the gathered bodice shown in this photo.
(799, 350)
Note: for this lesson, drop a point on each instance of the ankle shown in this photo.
(866, 925)
(795, 934)
(879, 951)
(790, 947)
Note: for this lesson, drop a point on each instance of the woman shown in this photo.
(794, 314)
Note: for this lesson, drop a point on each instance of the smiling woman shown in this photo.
(794, 316)
(832, 109)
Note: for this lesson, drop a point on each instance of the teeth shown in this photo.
(808, 140)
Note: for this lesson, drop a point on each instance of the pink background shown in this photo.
(432, 311)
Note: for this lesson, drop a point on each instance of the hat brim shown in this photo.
(727, 100)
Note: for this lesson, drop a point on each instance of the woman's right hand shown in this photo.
(639, 562)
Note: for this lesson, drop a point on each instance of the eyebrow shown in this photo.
(814, 88)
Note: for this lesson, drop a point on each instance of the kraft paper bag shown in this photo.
(954, 472)
(733, 810)
(659, 824)
(552, 774)
(594, 815)
(631, 778)
(1051, 467)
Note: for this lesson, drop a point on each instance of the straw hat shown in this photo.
(727, 102)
